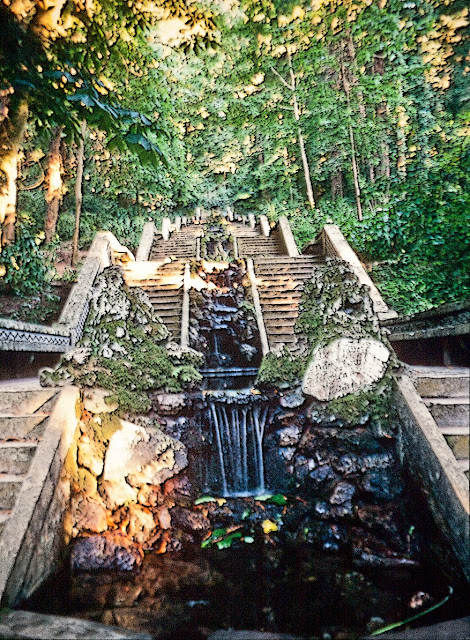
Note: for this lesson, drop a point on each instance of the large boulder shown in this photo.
(109, 551)
(345, 366)
(140, 457)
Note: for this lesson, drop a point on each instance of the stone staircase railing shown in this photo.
(23, 336)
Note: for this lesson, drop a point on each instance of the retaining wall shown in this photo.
(35, 535)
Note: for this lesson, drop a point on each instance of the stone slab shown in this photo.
(18, 625)
(22, 427)
(345, 366)
(449, 630)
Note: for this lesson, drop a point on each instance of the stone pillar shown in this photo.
(288, 237)
(166, 224)
(265, 228)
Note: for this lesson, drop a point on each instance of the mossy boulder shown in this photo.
(125, 349)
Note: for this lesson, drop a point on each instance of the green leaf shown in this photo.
(204, 499)
(276, 498)
(227, 542)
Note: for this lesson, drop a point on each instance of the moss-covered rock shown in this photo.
(125, 349)
(335, 305)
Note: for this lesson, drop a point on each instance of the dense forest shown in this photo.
(351, 111)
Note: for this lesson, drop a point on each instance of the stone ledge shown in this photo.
(17, 325)
(146, 241)
(27, 625)
(429, 457)
(34, 500)
(288, 237)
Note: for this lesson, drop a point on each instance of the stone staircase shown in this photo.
(445, 391)
(252, 243)
(24, 410)
(280, 281)
(164, 286)
(181, 244)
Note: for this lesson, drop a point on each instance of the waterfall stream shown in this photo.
(239, 431)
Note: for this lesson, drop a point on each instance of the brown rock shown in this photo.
(109, 551)
(170, 404)
(90, 454)
(190, 520)
(344, 366)
(87, 482)
(149, 495)
(142, 524)
(115, 493)
(164, 517)
(94, 401)
(143, 457)
(89, 514)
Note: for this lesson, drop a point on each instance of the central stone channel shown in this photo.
(224, 328)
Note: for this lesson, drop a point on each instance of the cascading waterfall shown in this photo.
(224, 328)
(239, 431)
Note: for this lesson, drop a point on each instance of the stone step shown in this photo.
(459, 445)
(167, 310)
(10, 485)
(449, 411)
(280, 307)
(281, 280)
(288, 260)
(15, 457)
(157, 284)
(274, 315)
(282, 338)
(270, 295)
(22, 427)
(442, 382)
(454, 431)
(284, 267)
(19, 402)
(157, 293)
(280, 331)
(167, 313)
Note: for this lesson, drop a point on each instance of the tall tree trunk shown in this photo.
(11, 137)
(303, 153)
(78, 191)
(357, 188)
(54, 185)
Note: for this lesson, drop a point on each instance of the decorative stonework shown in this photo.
(345, 366)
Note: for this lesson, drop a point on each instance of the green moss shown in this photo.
(284, 370)
(376, 404)
(110, 423)
(86, 482)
